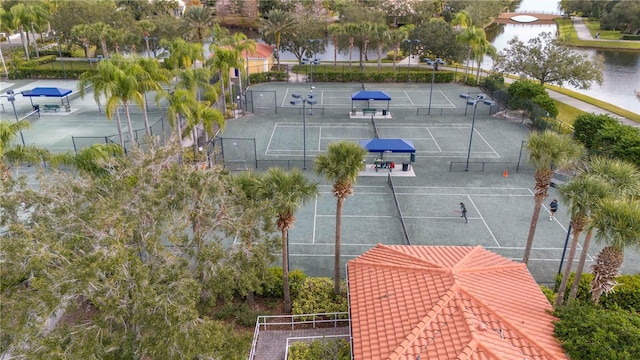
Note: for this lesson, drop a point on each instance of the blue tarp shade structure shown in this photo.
(372, 95)
(388, 145)
(48, 92)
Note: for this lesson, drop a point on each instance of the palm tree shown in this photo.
(483, 48)
(150, 76)
(396, 37)
(128, 89)
(382, 37)
(340, 164)
(20, 18)
(202, 115)
(11, 152)
(180, 103)
(277, 23)
(222, 61)
(198, 23)
(352, 30)
(618, 225)
(473, 37)
(37, 17)
(240, 44)
(287, 193)
(182, 55)
(623, 180)
(335, 31)
(104, 83)
(582, 194)
(547, 151)
(146, 26)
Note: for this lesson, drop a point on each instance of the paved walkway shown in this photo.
(272, 344)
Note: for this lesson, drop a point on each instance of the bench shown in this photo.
(48, 108)
(366, 111)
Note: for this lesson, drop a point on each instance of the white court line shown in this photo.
(65, 136)
(460, 194)
(266, 151)
(358, 193)
(489, 145)
(408, 97)
(434, 140)
(453, 106)
(315, 217)
(483, 221)
(286, 96)
(356, 216)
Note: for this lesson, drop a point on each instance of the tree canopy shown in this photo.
(544, 59)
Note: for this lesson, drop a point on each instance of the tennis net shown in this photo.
(375, 128)
(395, 199)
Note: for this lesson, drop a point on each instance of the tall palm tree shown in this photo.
(547, 151)
(582, 194)
(352, 30)
(21, 19)
(618, 225)
(222, 61)
(198, 23)
(276, 24)
(150, 77)
(206, 117)
(340, 164)
(240, 44)
(483, 48)
(37, 17)
(104, 82)
(473, 37)
(335, 32)
(287, 191)
(128, 89)
(396, 37)
(382, 37)
(181, 54)
(146, 26)
(180, 103)
(623, 179)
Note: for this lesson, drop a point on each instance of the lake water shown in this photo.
(622, 68)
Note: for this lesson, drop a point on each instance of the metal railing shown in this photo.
(292, 321)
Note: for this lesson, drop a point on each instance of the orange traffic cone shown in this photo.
(505, 174)
(202, 166)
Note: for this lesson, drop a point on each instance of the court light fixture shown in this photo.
(304, 100)
(11, 96)
(311, 63)
(435, 64)
(474, 101)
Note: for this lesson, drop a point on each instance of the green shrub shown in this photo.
(631, 37)
(624, 296)
(549, 293)
(316, 296)
(588, 332)
(586, 126)
(493, 82)
(619, 141)
(272, 286)
(242, 314)
(335, 349)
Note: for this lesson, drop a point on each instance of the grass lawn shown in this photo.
(594, 27)
(68, 65)
(569, 36)
(566, 113)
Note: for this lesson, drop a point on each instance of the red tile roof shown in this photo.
(263, 51)
(447, 302)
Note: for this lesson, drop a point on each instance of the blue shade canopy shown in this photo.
(388, 145)
(47, 91)
(370, 95)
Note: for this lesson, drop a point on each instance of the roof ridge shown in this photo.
(413, 257)
(538, 346)
(467, 257)
(404, 267)
(422, 324)
(491, 268)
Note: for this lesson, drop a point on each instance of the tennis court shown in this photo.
(499, 207)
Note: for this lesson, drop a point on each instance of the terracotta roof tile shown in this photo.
(446, 302)
(263, 51)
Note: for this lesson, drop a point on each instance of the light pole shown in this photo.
(12, 98)
(61, 60)
(435, 64)
(310, 62)
(474, 101)
(411, 42)
(297, 98)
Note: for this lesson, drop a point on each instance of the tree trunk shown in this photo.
(119, 127)
(577, 230)
(224, 100)
(35, 40)
(25, 45)
(335, 54)
(285, 271)
(103, 46)
(336, 264)
(466, 71)
(543, 179)
(132, 139)
(395, 58)
(379, 57)
(583, 258)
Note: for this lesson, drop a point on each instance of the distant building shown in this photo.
(259, 61)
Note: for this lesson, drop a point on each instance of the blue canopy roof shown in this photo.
(388, 145)
(47, 91)
(370, 95)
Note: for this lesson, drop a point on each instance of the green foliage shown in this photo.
(272, 285)
(590, 333)
(241, 313)
(268, 77)
(546, 102)
(631, 37)
(494, 82)
(618, 141)
(587, 126)
(522, 90)
(625, 296)
(316, 296)
(335, 349)
(548, 293)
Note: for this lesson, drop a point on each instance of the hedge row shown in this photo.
(383, 76)
(625, 296)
